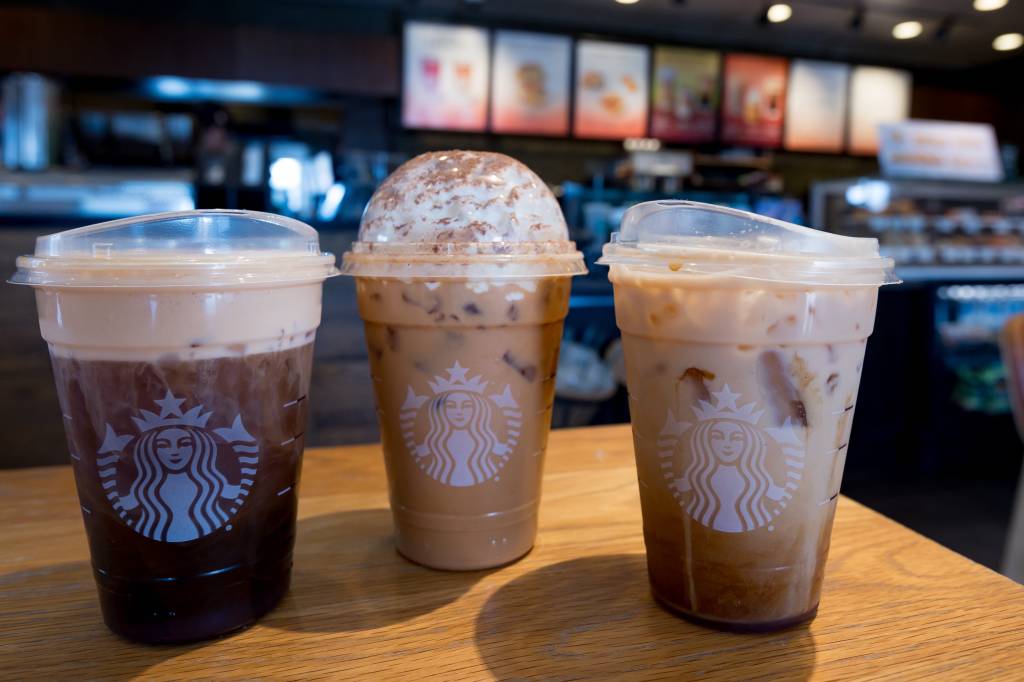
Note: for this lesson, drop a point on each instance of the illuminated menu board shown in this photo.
(877, 96)
(816, 106)
(755, 96)
(611, 90)
(684, 95)
(530, 87)
(446, 69)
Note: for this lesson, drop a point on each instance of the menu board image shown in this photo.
(530, 86)
(755, 95)
(611, 90)
(816, 106)
(684, 102)
(445, 73)
(877, 96)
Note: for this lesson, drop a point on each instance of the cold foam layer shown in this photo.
(183, 323)
(463, 196)
(716, 309)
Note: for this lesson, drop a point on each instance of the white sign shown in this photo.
(816, 106)
(940, 150)
(530, 86)
(877, 96)
(445, 75)
(611, 90)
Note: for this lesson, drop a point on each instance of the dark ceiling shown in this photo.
(955, 35)
(817, 27)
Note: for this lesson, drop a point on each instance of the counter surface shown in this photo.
(895, 604)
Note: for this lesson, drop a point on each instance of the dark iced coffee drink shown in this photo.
(183, 379)
(463, 270)
(743, 340)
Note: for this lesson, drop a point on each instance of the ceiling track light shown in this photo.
(857, 19)
(775, 13)
(989, 5)
(944, 27)
(779, 12)
(907, 30)
(1008, 42)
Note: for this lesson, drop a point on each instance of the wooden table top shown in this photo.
(895, 604)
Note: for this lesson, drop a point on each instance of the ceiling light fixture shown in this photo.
(905, 30)
(989, 5)
(944, 27)
(857, 19)
(1007, 42)
(778, 13)
(627, 2)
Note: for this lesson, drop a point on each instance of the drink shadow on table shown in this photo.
(58, 605)
(348, 576)
(594, 617)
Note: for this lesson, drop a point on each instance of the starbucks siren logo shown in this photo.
(727, 472)
(180, 488)
(454, 436)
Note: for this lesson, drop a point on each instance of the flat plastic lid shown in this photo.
(687, 238)
(187, 248)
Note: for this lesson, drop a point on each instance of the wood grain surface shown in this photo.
(895, 605)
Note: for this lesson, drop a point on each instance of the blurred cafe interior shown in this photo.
(897, 119)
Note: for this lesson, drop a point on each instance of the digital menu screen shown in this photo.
(530, 87)
(816, 106)
(445, 74)
(684, 94)
(611, 90)
(877, 96)
(755, 96)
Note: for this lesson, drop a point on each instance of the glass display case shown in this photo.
(968, 320)
(934, 230)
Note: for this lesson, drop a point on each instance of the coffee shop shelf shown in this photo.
(577, 607)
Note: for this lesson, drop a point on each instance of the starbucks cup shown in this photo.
(182, 346)
(744, 340)
(462, 268)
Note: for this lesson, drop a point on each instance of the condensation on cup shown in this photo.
(463, 267)
(182, 346)
(744, 341)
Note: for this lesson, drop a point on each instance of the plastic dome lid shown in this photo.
(458, 214)
(682, 238)
(187, 248)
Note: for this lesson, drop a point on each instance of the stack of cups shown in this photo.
(463, 269)
(743, 340)
(182, 346)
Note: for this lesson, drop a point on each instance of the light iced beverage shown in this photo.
(463, 268)
(182, 346)
(744, 339)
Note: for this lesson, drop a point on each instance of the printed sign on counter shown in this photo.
(755, 95)
(530, 90)
(877, 96)
(684, 94)
(940, 150)
(816, 106)
(611, 90)
(445, 74)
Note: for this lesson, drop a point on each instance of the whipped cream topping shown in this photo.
(463, 196)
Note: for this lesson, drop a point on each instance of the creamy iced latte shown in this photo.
(463, 268)
(743, 341)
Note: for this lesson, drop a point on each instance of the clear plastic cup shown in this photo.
(463, 270)
(182, 346)
(744, 340)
